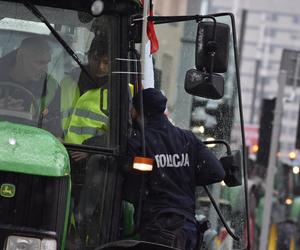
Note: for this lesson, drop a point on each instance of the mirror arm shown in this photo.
(172, 19)
(197, 18)
(235, 237)
(219, 141)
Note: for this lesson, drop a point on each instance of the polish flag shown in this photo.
(151, 32)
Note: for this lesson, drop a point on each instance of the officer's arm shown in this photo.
(209, 169)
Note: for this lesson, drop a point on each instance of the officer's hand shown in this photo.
(78, 156)
(45, 112)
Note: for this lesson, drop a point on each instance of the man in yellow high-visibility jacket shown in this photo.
(89, 116)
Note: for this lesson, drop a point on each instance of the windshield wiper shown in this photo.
(40, 16)
(228, 229)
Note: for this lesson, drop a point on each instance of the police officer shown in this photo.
(182, 162)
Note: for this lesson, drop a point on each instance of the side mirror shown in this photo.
(212, 47)
(232, 165)
(212, 52)
(204, 84)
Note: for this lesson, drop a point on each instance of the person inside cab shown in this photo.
(181, 162)
(24, 80)
(88, 119)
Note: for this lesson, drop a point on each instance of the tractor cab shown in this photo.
(68, 70)
(64, 185)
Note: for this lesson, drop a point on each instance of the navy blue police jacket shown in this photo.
(182, 162)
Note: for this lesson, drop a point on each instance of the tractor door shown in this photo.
(212, 111)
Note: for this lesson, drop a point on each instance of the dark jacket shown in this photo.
(47, 87)
(182, 162)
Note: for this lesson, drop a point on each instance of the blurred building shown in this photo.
(167, 59)
(270, 26)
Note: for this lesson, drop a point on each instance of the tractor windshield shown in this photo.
(42, 85)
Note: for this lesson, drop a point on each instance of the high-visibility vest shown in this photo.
(69, 96)
(89, 117)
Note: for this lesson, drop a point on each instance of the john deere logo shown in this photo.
(7, 190)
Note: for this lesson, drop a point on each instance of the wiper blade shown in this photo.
(40, 16)
(228, 229)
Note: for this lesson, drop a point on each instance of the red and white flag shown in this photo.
(151, 32)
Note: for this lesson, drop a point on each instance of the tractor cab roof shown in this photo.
(120, 6)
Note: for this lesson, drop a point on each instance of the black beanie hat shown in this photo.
(154, 102)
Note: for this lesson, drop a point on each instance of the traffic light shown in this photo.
(289, 178)
(292, 155)
(265, 131)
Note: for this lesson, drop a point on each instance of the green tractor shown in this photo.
(60, 194)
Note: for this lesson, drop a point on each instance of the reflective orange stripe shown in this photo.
(144, 160)
(143, 164)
